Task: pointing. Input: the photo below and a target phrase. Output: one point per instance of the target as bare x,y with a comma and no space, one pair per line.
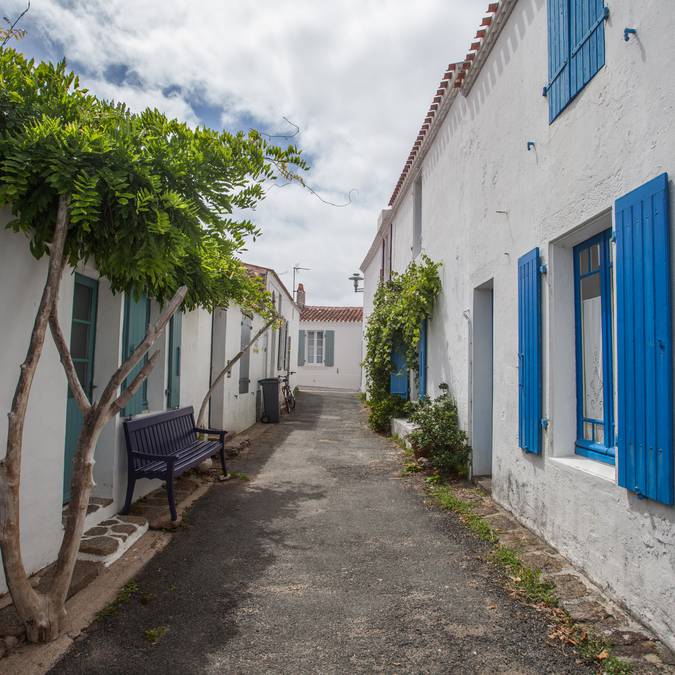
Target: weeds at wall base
526,582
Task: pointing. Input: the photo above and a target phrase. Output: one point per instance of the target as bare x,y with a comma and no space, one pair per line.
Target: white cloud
357,76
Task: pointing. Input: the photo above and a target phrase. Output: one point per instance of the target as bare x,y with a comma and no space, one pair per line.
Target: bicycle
286,390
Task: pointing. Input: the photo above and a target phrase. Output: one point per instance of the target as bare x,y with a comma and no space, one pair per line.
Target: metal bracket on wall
543,268
627,32
544,423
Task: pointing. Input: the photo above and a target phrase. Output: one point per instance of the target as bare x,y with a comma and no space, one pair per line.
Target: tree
150,202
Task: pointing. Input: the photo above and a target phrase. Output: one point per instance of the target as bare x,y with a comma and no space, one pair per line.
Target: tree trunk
95,419
33,609
201,420
43,614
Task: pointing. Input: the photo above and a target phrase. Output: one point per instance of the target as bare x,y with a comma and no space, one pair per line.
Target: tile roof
260,271
457,77
314,313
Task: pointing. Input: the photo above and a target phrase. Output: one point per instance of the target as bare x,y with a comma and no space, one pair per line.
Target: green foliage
438,436
153,635
399,308
383,409
152,201
445,497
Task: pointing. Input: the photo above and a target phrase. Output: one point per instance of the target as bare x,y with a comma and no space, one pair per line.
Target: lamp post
356,278
297,267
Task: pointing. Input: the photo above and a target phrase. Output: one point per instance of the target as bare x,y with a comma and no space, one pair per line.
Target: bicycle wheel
286,400
292,401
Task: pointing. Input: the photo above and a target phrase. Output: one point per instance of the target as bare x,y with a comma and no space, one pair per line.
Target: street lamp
356,278
297,267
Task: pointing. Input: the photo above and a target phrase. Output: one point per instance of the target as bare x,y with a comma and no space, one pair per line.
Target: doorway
82,345
482,380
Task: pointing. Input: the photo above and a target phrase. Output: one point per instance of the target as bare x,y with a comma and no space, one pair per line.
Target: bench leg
169,494
131,482
222,460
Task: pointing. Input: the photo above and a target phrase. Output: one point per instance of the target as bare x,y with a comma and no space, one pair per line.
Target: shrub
438,436
383,409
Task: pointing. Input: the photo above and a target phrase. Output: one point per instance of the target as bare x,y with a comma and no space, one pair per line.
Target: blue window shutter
329,348
301,348
529,352
423,360
398,380
558,87
175,338
587,41
644,342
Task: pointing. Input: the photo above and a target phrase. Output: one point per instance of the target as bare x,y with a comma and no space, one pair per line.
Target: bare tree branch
76,389
201,419
110,392
121,402
11,31
293,124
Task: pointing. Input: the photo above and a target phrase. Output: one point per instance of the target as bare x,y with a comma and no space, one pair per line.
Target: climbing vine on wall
400,306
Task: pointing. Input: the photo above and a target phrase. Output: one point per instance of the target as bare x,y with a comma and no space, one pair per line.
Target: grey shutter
328,347
301,348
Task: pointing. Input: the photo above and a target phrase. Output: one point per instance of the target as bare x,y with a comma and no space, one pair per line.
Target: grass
526,582
153,635
125,594
237,475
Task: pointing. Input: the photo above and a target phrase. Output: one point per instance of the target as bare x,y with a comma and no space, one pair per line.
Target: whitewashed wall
487,200
346,370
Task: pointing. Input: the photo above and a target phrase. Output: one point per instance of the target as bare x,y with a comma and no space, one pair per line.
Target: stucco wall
488,200
346,370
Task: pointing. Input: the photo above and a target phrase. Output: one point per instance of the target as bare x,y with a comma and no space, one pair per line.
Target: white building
102,329
330,340
550,215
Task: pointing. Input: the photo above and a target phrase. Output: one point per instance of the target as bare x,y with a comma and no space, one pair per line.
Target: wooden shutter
558,87
136,320
398,380
328,348
587,41
644,342
301,348
175,338
529,352
423,360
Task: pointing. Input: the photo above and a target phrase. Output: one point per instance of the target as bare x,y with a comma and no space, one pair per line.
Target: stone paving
324,561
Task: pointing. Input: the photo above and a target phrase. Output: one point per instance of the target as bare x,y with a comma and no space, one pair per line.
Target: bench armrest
216,432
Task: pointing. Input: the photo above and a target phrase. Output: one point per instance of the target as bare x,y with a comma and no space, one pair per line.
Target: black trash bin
270,387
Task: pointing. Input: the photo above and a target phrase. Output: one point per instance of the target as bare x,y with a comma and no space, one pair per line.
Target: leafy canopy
152,201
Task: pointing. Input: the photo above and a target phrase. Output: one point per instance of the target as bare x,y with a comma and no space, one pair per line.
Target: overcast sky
356,76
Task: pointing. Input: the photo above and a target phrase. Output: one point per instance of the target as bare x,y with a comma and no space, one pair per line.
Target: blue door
175,334
82,344
136,320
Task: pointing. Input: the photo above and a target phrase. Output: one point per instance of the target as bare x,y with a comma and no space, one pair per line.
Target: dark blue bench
166,445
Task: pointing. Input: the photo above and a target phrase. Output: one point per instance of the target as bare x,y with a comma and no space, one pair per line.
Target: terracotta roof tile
314,313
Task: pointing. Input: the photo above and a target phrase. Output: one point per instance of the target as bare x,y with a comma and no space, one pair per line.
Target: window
576,49
593,284
283,334
417,217
245,360
315,347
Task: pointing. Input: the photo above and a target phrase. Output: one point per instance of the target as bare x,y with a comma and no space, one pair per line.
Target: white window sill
590,466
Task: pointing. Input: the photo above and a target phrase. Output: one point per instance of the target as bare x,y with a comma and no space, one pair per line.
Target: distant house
329,345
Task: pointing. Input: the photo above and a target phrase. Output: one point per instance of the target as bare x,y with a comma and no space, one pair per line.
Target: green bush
438,436
383,409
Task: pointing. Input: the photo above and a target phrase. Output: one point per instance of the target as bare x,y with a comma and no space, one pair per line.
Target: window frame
606,451
314,362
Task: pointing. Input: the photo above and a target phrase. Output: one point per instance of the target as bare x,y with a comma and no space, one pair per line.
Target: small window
315,347
417,217
594,345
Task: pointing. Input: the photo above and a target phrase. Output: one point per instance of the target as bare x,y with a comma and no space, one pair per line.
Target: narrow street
326,561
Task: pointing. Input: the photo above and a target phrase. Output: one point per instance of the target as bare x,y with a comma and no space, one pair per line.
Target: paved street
325,562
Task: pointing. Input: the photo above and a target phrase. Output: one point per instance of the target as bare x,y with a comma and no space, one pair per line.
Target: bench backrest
162,434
